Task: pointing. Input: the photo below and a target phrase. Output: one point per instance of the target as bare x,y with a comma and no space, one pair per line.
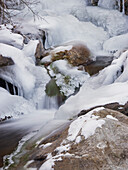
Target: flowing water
11,131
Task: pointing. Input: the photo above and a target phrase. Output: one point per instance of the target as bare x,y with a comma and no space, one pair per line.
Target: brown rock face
40,51
78,55
5,61
106,148
114,106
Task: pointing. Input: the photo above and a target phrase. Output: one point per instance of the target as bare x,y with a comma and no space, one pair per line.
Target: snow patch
111,117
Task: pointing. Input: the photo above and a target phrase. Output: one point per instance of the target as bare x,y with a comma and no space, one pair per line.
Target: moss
67,79
52,89
55,69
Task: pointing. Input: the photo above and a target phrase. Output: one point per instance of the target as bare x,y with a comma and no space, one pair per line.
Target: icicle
7,87
123,6
119,4
21,92
18,91
14,90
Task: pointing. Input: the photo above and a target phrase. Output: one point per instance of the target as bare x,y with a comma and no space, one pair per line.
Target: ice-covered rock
114,22
110,4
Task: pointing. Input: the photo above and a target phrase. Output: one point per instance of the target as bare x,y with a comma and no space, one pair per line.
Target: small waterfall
48,103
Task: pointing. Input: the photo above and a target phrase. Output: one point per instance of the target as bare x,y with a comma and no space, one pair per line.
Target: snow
62,48
116,43
85,126
48,164
7,37
45,145
46,59
30,49
111,20
13,105
63,148
111,117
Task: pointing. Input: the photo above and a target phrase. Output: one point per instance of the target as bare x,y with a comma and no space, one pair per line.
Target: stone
40,51
106,148
100,63
78,55
5,61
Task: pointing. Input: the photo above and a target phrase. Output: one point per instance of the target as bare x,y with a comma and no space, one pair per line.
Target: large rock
76,54
97,140
5,61
100,63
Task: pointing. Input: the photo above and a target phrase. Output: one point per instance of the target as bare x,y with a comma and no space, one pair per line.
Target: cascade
48,103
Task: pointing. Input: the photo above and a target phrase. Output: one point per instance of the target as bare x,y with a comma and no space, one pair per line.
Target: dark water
9,137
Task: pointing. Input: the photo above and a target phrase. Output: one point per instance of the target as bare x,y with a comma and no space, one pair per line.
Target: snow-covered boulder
117,43
76,53
13,39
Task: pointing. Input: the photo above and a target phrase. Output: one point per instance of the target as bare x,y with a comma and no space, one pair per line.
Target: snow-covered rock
68,78
97,139
13,39
109,86
116,43
13,106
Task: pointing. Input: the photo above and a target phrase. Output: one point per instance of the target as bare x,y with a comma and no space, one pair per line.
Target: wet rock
5,61
100,63
40,51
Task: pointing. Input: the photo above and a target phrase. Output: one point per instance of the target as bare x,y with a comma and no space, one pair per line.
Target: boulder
5,61
97,140
40,51
77,55
100,63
